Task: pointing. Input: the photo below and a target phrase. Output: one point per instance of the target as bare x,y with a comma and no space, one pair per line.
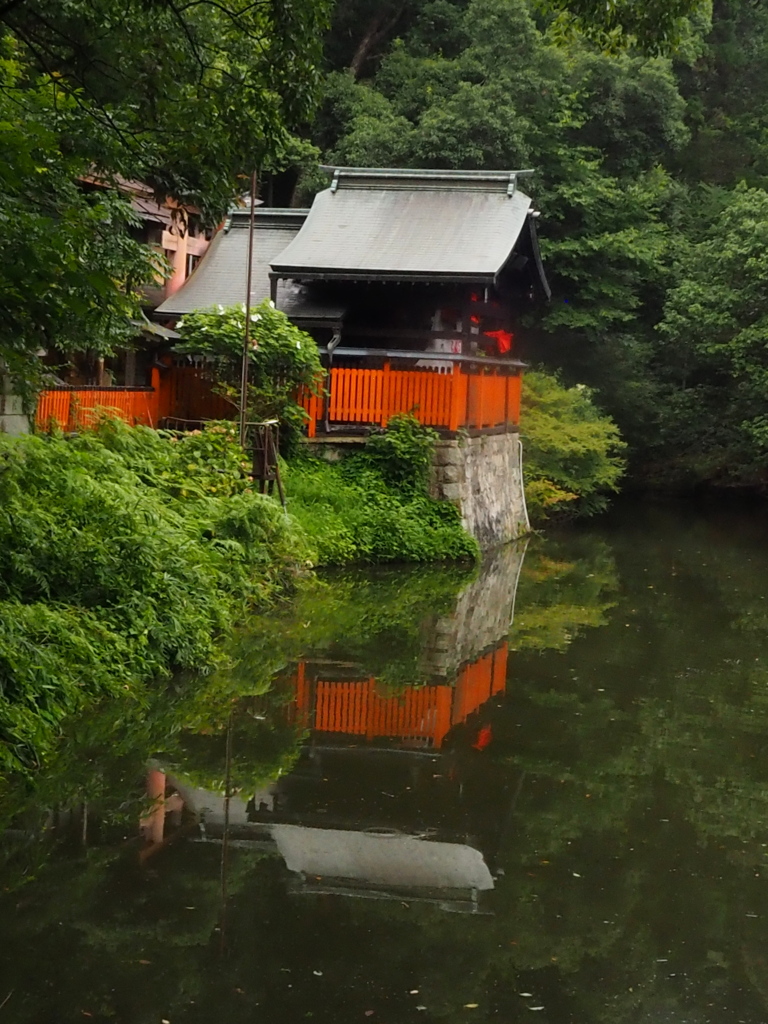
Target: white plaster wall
12,417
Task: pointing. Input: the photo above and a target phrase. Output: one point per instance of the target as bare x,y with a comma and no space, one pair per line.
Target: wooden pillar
454,421
178,262
386,386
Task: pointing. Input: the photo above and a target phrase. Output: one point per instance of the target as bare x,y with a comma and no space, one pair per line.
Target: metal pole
225,838
247,332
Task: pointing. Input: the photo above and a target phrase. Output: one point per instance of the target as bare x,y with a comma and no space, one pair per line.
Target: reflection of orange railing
483,398
419,717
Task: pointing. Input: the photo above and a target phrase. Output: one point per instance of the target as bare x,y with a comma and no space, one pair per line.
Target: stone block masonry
483,476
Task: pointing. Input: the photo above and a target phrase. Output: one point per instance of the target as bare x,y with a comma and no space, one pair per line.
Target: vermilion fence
485,398
76,408
417,717
178,393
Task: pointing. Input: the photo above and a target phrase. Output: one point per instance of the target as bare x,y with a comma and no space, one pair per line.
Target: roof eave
394,277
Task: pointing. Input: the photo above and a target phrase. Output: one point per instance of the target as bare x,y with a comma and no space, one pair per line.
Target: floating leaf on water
576,875
471,1006
525,995
535,1007
318,974
413,992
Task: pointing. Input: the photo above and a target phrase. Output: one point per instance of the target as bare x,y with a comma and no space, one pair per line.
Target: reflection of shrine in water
394,790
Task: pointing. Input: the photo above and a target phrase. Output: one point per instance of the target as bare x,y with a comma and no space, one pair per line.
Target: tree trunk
377,30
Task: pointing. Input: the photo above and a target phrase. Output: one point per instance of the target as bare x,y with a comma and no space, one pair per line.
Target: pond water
535,792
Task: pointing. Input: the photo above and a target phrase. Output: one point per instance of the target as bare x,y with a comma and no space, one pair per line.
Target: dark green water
535,794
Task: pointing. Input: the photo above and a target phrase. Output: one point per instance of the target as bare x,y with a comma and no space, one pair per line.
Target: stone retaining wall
482,476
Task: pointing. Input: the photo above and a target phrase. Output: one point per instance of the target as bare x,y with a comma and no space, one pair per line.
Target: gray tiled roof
220,277
409,225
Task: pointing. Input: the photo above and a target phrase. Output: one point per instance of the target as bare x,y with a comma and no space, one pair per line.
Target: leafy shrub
402,453
354,511
284,360
573,452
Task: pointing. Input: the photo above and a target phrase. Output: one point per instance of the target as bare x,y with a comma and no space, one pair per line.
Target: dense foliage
123,554
373,506
638,161
573,453
187,98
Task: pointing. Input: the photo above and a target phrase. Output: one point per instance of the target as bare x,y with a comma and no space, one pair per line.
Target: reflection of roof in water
345,861
381,859
416,717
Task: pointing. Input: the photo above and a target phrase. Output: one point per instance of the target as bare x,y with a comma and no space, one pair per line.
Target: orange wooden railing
420,717
178,393
484,398
77,408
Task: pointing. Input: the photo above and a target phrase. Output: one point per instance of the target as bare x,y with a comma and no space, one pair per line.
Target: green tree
715,325
573,453
187,98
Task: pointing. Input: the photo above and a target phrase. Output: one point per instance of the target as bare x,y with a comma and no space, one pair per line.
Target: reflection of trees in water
634,850
565,588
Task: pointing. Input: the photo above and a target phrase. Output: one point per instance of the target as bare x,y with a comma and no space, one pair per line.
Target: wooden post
275,444
385,393
456,403
247,332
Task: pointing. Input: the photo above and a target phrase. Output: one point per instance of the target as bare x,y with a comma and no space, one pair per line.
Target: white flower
180,323
221,308
242,306
271,304
298,344
255,317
